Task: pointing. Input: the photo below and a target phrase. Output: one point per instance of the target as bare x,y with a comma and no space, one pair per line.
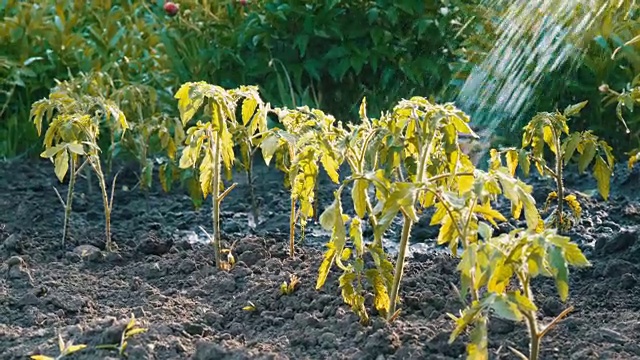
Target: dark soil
193,311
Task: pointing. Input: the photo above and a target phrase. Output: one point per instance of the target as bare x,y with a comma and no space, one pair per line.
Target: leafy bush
332,53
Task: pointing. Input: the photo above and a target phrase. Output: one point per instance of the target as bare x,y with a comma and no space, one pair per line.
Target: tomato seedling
210,144
65,348
547,129
307,140
73,133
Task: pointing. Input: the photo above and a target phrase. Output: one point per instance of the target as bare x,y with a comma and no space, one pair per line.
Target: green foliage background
327,54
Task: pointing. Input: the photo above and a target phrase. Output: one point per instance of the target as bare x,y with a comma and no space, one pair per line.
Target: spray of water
534,37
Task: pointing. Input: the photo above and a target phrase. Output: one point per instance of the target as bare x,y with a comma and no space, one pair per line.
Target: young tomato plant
65,348
73,133
547,129
494,263
308,138
418,146
209,144
128,332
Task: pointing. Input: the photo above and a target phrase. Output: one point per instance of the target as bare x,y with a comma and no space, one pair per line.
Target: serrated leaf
574,256
206,174
355,232
331,166
570,146
587,155
506,309
512,161
602,173
249,106
575,109
484,230
323,270
523,159
359,196
76,148
477,348
489,214
381,299
560,272
269,146
61,164
50,152
523,302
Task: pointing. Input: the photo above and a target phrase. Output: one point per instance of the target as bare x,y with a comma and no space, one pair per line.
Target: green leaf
269,146
331,166
206,174
359,195
477,348
523,302
76,148
523,159
560,271
134,332
249,106
485,230
329,216
588,153
602,173
50,152
506,309
381,299
575,109
355,232
512,161
570,146
74,348
574,256
61,164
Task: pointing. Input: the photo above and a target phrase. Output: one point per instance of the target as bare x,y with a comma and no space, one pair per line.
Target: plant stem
532,324
292,228
95,163
406,231
67,207
252,194
215,196
397,276
559,181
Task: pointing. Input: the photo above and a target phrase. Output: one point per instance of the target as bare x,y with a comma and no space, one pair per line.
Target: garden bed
166,276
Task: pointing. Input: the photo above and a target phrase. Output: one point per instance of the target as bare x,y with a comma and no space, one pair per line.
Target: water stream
534,38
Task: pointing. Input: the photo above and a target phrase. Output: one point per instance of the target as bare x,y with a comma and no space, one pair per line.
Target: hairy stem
214,145
530,319
67,205
105,201
252,192
292,228
406,231
397,276
559,181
